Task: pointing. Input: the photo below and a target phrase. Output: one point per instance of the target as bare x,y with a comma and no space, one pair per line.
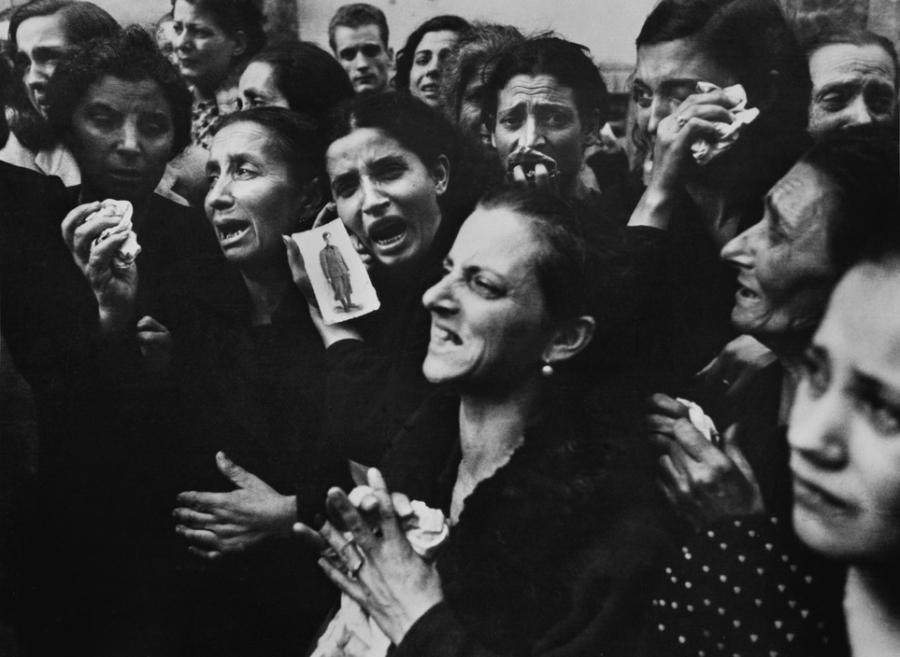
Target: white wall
607,27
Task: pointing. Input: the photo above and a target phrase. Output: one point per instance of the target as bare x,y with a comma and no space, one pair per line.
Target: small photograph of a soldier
337,273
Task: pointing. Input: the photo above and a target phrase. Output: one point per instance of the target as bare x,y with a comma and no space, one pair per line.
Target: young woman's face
41,41
429,61
252,199
204,50
386,195
121,136
845,425
489,324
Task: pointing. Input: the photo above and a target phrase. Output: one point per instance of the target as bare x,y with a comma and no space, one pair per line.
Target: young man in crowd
358,36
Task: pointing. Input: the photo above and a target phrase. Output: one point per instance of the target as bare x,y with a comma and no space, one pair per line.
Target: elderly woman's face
386,195
204,50
252,200
122,136
784,273
489,322
845,425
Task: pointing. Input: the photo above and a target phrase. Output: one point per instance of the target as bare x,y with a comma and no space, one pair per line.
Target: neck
491,428
267,287
872,609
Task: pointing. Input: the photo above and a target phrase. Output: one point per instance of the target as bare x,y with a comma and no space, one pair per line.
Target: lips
387,233
818,499
230,231
444,337
528,159
431,89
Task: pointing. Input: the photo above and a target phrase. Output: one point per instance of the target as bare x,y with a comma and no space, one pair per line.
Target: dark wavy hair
568,62
357,15
295,138
233,16
477,52
406,55
82,21
863,162
309,78
131,55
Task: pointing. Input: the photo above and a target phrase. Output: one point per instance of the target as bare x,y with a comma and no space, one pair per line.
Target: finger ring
353,558
681,120
726,382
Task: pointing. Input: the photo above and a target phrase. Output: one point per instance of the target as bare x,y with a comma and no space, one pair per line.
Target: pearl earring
547,369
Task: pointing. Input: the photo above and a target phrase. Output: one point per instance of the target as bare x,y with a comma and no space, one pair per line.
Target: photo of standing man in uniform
336,271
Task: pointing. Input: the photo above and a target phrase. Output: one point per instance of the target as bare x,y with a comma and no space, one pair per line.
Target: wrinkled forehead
805,197
535,89
846,61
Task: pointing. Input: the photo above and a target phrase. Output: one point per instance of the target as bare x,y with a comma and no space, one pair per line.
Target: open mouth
430,89
442,337
231,230
530,164
387,233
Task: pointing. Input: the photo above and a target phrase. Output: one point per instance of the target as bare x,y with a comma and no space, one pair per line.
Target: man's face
538,125
852,85
41,42
365,58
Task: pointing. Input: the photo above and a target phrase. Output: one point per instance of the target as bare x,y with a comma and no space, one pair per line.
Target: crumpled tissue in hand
352,632
130,249
702,150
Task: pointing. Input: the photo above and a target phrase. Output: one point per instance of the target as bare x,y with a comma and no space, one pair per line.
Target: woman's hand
377,568
673,163
735,366
704,483
216,524
115,288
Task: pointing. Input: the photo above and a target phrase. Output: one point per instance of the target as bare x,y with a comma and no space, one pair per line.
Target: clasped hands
377,567
704,483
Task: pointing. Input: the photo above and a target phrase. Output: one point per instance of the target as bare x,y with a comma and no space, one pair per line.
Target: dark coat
254,392
556,553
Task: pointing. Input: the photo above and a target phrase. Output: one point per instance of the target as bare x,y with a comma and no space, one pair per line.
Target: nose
129,137
374,203
181,40
36,75
219,195
659,109
440,299
433,69
857,112
360,62
532,135
820,426
740,251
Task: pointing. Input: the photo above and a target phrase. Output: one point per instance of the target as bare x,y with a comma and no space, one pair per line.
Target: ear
570,339
311,200
240,44
440,173
590,131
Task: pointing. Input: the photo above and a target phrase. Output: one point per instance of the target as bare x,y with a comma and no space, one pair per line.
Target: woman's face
204,50
121,136
253,199
41,41
489,324
258,88
845,425
784,273
429,61
386,195
667,73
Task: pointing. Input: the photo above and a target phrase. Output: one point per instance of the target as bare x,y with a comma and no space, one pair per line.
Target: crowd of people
629,395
